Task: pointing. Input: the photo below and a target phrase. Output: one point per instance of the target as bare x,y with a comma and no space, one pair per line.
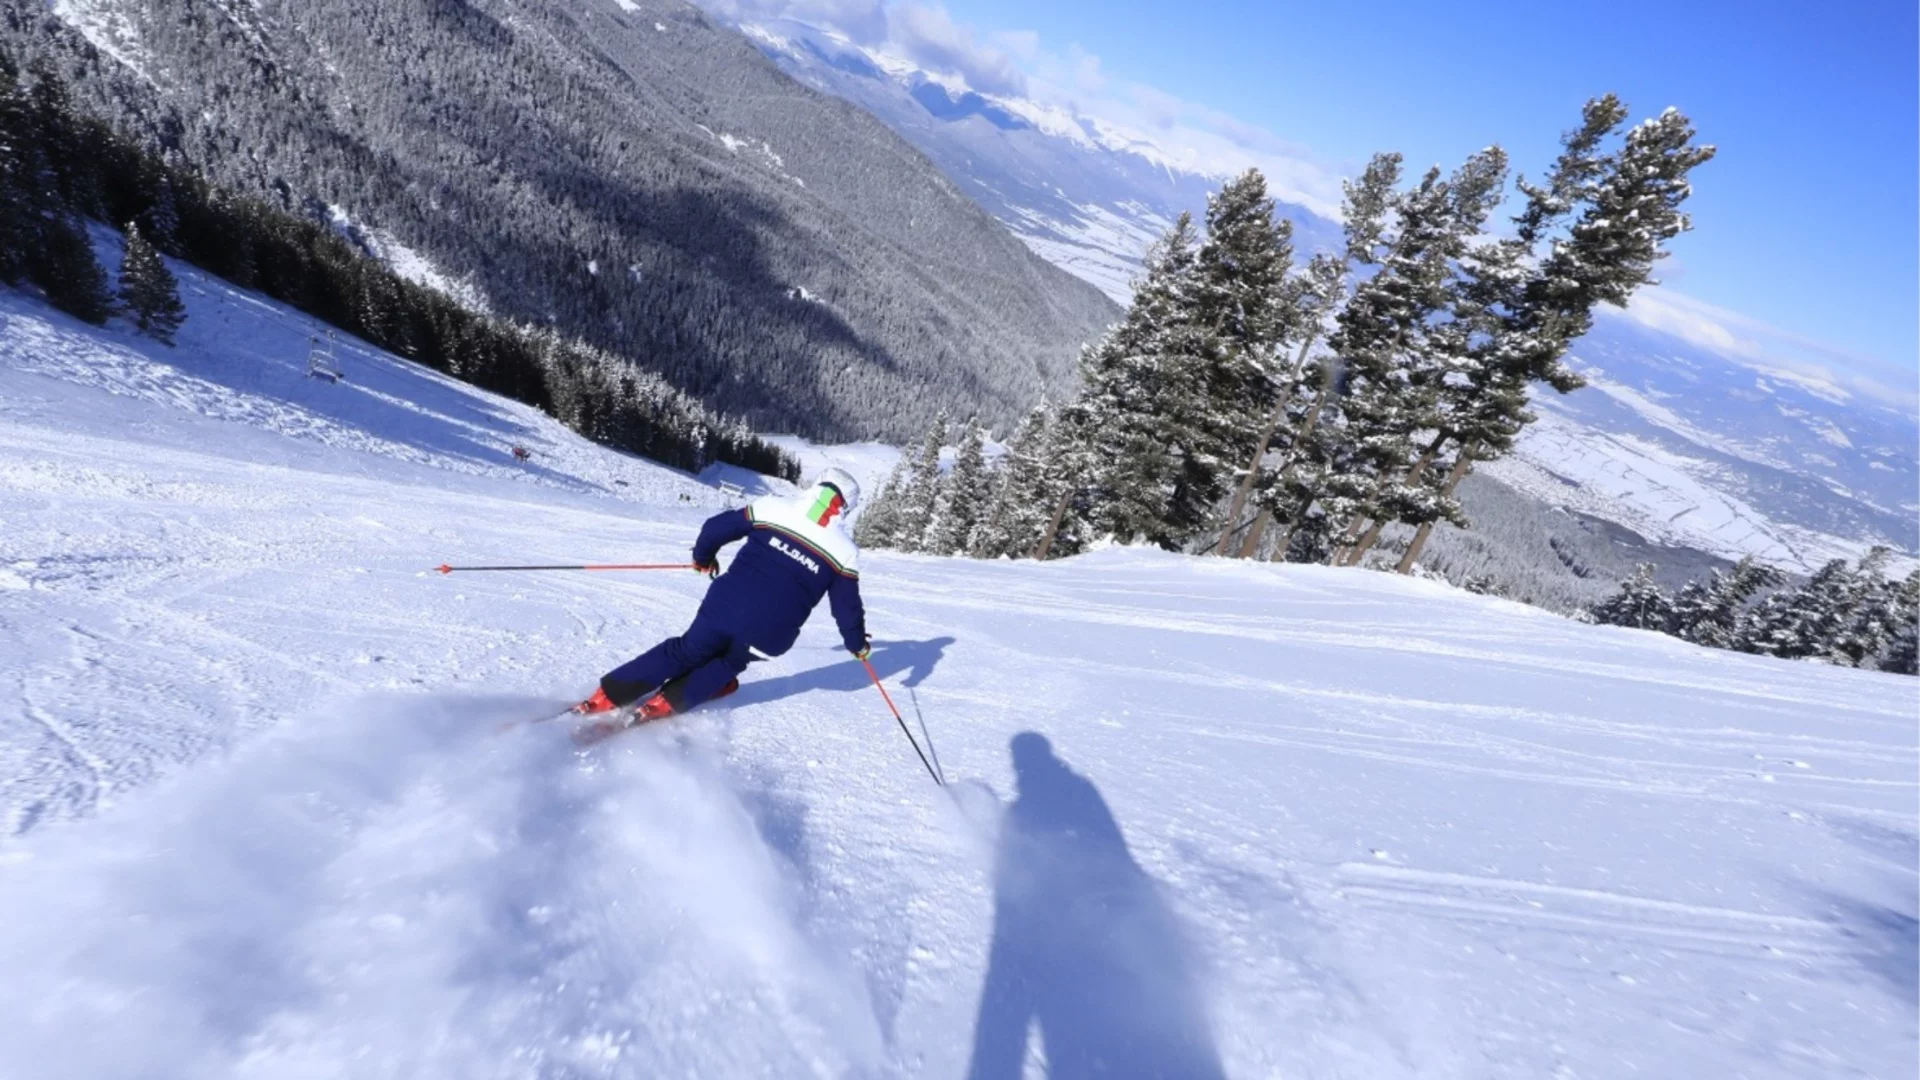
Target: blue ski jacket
792,558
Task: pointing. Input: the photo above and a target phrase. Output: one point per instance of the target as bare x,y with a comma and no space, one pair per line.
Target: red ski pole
445,569
901,720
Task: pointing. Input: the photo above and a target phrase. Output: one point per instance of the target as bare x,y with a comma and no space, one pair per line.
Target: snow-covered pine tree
1243,313
920,497
963,500
1065,481
1902,656
1639,604
1710,612
1613,247
1020,497
1381,338
1437,372
1513,341
1291,490
1799,622
1873,619
1142,397
878,525
1313,294
148,288
1527,310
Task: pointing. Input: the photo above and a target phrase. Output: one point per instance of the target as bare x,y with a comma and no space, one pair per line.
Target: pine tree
63,264
1800,622
1639,604
1313,295
920,496
148,288
1380,337
963,502
1872,620
1066,482
1903,655
1709,612
20,198
160,219
1020,496
66,148
1434,383
879,522
1142,400
1243,313
1904,607
1293,488
1523,312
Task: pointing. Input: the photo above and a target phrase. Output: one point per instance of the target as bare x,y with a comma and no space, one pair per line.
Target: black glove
864,651
711,569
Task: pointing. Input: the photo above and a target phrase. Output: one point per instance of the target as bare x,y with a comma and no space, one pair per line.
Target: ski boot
671,701
668,702
595,705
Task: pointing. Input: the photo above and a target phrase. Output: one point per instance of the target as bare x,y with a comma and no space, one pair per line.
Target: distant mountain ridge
624,170
1678,442
1084,194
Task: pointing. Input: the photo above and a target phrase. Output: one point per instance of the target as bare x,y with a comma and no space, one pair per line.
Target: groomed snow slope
1293,821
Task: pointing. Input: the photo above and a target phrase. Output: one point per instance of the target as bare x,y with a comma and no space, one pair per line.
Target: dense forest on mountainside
628,174
59,170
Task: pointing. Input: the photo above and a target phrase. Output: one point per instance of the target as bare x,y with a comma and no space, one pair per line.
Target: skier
796,552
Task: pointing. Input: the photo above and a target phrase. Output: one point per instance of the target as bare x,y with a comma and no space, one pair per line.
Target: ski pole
904,730
445,569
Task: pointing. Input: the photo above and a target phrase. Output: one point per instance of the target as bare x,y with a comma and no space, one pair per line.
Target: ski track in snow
259,819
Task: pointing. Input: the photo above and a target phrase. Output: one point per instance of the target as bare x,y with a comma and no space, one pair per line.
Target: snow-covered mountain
1687,446
1083,193
1204,818
1681,443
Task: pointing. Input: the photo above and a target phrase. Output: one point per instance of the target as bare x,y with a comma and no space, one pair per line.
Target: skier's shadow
1084,946
846,675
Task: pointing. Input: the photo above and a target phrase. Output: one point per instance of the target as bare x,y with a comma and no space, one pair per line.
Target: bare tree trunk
1266,439
1405,566
1366,542
1045,545
1459,473
1240,493
1259,529
1419,468
1413,475
1282,542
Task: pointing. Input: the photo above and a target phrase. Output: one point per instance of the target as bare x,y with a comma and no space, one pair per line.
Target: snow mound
377,878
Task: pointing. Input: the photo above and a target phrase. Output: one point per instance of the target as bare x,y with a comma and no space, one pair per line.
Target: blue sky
1806,222
1806,219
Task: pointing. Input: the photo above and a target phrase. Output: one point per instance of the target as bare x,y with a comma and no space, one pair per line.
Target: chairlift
321,363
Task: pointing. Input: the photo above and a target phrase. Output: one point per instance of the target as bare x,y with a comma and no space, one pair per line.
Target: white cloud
864,21
1016,63
931,38
1766,348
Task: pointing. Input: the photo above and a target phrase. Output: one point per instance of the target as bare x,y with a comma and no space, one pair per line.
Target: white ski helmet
843,482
